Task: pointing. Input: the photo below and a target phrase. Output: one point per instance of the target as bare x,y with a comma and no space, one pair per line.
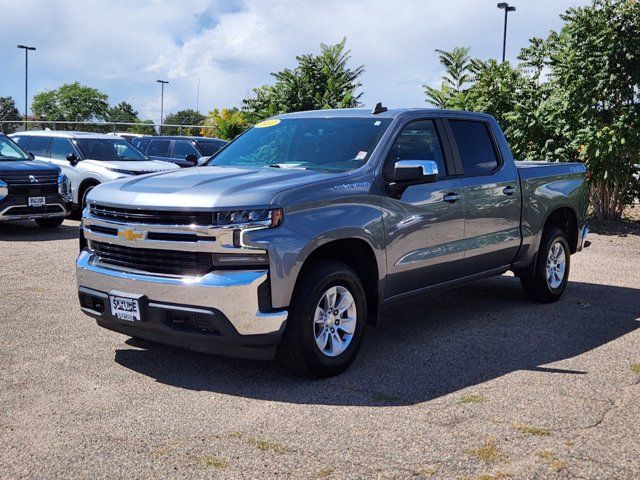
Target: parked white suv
88,159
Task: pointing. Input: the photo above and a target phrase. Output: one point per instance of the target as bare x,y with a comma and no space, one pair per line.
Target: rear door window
39,146
159,148
182,148
476,149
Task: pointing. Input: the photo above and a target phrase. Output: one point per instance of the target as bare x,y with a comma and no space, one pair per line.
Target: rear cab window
475,146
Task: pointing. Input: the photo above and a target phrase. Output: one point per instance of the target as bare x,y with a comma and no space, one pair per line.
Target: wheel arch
84,185
357,254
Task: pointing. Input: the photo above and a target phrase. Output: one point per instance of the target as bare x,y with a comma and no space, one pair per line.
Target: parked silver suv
88,159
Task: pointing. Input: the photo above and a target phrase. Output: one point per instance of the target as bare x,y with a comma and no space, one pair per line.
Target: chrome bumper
234,293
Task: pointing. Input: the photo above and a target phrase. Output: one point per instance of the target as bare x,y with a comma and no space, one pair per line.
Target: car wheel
326,320
50,222
551,272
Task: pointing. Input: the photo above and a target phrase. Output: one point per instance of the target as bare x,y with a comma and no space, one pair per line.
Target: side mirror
31,155
192,159
72,159
415,171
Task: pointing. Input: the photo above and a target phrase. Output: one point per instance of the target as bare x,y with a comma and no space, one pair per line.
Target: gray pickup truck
295,235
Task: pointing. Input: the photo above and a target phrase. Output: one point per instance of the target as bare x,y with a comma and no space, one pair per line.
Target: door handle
451,197
509,190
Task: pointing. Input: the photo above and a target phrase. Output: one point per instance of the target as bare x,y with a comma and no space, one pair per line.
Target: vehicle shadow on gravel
423,350
29,231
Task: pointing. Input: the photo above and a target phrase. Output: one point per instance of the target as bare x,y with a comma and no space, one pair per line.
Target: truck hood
134,165
27,166
205,188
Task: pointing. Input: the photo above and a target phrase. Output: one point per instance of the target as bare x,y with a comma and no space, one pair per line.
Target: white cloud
123,46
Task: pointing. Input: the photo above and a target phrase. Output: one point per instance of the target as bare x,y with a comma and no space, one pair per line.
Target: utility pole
507,8
198,98
162,84
26,80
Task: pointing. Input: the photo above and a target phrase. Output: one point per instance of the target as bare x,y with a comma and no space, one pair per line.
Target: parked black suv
30,189
181,150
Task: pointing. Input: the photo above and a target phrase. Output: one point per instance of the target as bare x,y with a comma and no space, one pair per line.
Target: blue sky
122,46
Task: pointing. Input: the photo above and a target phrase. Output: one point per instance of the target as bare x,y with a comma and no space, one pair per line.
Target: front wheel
551,272
326,320
50,222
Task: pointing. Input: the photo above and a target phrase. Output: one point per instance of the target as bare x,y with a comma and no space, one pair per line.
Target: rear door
424,223
492,191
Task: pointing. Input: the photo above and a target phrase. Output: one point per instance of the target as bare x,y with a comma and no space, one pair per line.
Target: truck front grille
150,217
33,179
33,189
168,262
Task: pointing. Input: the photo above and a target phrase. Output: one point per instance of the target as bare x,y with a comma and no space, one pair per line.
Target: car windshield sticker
268,123
361,155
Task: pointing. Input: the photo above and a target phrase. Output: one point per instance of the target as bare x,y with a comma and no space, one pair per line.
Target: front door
424,223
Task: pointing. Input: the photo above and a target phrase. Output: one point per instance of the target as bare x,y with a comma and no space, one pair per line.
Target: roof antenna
379,109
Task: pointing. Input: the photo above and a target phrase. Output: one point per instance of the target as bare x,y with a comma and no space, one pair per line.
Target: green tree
575,96
317,82
71,102
8,112
458,68
122,112
595,65
226,123
145,127
183,117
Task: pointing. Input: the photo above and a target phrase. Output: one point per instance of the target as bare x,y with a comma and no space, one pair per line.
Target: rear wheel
551,272
50,222
326,320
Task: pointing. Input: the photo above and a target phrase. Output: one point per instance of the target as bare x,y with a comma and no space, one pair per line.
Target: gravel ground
472,383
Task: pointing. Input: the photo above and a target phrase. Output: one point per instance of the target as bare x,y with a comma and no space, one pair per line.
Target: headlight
4,189
265,218
64,187
124,172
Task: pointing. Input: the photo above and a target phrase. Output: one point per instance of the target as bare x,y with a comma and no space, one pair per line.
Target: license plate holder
126,306
36,201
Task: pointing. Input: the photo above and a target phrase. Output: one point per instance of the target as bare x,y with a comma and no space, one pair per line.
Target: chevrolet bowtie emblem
129,235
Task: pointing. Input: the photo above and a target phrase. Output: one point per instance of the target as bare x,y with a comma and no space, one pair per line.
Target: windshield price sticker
268,123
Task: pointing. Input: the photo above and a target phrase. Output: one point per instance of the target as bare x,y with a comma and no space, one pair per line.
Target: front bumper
216,313
16,208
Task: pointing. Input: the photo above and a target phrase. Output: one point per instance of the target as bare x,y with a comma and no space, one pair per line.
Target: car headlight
64,187
4,189
242,219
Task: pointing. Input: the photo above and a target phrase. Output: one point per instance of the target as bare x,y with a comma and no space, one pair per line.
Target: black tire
50,222
537,287
298,349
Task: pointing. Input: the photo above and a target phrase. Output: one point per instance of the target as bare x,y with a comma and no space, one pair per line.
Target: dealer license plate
37,201
125,308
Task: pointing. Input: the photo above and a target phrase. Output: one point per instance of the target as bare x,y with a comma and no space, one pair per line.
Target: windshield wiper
289,166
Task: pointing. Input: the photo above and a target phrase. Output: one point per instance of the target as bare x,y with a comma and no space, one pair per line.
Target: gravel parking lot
473,383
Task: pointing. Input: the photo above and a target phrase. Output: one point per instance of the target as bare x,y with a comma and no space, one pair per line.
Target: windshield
115,149
11,151
208,148
328,144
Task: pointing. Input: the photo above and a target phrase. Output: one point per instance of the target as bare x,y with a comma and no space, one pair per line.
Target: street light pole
162,83
26,80
507,8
